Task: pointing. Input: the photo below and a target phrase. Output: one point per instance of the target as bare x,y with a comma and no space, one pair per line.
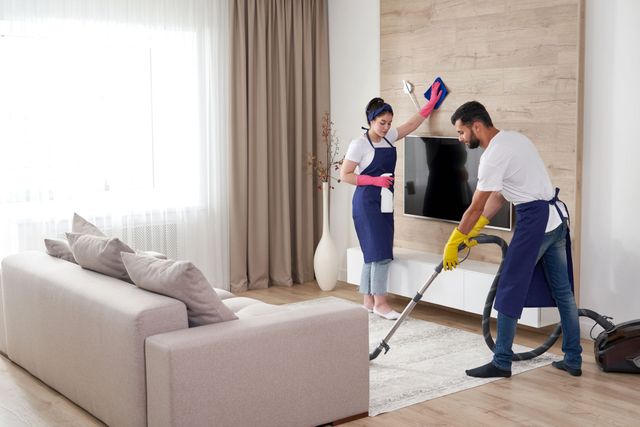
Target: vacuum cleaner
616,348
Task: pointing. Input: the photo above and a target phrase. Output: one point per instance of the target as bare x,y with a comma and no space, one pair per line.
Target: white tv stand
464,288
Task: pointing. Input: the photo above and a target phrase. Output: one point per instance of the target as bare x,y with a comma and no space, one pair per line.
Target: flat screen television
440,176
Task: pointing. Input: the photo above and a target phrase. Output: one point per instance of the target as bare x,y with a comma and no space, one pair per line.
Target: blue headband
381,109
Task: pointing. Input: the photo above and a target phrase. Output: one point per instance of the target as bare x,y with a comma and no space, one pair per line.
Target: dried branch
324,169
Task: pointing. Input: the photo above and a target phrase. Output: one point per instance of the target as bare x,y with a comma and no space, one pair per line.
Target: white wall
610,264
354,52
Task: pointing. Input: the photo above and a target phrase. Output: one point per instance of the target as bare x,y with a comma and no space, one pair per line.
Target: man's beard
474,142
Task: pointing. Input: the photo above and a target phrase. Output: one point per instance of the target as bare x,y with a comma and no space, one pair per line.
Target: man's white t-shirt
361,152
511,165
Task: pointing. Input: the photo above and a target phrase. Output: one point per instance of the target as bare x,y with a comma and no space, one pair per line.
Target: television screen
440,176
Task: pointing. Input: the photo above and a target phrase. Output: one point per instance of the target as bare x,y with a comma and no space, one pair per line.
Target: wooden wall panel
521,59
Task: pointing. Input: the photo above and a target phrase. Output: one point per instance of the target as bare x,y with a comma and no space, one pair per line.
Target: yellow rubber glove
450,256
475,231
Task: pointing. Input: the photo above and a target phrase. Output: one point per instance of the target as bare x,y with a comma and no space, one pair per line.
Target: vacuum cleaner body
618,349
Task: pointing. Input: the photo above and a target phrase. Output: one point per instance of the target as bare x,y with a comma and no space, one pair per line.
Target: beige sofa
3,338
127,356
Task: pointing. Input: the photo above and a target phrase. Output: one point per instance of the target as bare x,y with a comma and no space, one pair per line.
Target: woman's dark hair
470,112
375,107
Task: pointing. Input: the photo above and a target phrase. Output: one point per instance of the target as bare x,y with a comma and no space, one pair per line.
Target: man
537,270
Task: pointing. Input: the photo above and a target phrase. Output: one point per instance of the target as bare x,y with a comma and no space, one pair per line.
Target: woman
374,155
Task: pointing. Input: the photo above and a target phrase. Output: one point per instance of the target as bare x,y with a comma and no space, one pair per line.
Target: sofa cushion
59,248
245,307
261,309
236,304
223,294
180,280
101,254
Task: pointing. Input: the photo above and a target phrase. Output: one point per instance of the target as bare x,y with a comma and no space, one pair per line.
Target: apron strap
554,201
369,139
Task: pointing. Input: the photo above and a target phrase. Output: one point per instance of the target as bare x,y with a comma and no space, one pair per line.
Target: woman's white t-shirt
511,165
361,152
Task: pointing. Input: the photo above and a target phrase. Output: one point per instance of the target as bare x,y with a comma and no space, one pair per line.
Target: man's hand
475,231
450,255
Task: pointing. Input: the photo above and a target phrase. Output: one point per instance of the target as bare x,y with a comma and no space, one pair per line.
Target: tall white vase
325,260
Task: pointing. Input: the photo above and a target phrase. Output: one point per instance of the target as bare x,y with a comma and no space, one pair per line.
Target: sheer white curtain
117,111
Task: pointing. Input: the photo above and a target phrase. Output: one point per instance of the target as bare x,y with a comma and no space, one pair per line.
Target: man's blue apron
374,228
522,281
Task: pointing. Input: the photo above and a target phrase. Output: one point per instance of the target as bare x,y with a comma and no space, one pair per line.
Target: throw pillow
101,254
180,280
60,249
82,226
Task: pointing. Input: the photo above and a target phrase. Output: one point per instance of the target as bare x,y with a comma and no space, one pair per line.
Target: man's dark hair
470,112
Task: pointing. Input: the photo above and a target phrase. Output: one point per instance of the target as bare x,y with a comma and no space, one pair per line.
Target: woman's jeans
373,280
554,261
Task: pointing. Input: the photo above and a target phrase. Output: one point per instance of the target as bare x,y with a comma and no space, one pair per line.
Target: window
115,118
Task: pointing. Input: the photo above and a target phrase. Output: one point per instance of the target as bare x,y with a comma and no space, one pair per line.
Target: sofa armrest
3,334
306,365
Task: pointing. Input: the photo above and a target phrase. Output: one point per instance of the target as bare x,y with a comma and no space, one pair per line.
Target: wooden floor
541,397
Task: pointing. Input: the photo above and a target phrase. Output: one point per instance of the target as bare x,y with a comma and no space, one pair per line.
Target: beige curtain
280,89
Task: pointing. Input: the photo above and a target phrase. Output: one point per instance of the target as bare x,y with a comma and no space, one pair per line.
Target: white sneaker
392,315
370,310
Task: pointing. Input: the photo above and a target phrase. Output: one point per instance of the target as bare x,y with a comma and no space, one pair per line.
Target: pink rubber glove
435,96
378,181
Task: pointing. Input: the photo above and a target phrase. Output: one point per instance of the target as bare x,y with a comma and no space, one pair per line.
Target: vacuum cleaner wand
384,344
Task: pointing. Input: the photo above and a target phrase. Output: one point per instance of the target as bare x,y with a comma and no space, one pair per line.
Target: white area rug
426,361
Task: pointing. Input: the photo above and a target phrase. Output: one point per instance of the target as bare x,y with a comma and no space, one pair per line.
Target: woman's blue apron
374,228
522,281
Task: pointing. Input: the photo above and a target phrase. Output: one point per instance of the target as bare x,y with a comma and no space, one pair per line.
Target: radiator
161,238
